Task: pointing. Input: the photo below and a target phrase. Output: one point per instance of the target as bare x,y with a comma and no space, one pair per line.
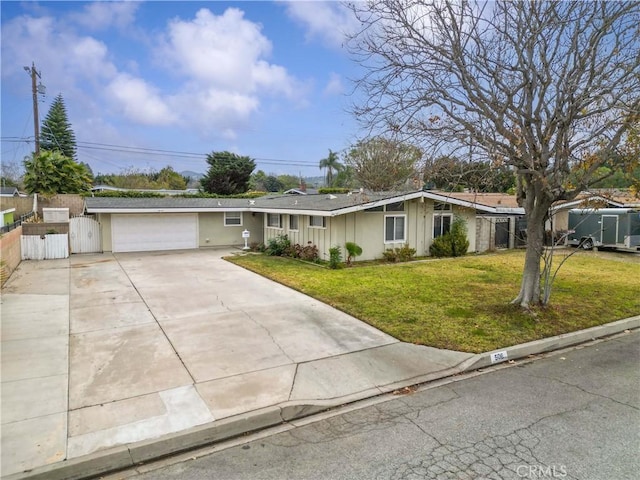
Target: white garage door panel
146,232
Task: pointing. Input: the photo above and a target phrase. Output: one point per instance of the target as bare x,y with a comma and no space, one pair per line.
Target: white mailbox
245,235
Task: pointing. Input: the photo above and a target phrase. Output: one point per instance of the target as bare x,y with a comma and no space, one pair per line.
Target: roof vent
252,202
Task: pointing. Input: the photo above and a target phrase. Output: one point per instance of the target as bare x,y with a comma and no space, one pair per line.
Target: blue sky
270,80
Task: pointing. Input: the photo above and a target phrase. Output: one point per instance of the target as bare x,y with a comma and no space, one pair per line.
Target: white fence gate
84,235
45,247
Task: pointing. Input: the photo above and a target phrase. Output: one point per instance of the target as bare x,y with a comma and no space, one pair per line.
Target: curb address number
499,356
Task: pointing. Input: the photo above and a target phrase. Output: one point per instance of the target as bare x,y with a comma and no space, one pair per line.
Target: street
573,414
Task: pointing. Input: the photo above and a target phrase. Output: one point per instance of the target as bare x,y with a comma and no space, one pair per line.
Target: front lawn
463,303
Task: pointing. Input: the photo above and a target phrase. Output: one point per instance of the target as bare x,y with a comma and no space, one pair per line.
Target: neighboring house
595,198
6,216
373,221
9,192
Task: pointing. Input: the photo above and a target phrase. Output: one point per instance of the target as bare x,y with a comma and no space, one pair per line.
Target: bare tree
381,164
549,88
11,173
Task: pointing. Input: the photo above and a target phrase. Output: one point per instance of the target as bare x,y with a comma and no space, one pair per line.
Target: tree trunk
530,286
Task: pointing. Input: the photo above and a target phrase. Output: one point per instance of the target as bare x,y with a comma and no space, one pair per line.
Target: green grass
463,303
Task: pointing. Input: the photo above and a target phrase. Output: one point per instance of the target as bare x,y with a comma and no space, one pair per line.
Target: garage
151,232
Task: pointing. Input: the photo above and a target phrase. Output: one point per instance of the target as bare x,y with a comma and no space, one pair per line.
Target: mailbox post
245,235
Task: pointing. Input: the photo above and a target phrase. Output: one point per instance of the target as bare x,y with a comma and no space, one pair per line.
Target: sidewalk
103,367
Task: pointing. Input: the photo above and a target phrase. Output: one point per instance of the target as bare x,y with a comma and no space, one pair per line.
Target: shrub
402,254
353,250
441,246
309,252
406,253
278,246
335,257
390,255
453,243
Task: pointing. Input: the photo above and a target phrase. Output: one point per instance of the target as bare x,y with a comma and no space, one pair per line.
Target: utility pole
35,89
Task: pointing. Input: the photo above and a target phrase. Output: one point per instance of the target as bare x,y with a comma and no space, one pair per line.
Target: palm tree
332,164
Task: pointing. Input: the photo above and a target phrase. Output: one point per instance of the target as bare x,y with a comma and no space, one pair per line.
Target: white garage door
150,232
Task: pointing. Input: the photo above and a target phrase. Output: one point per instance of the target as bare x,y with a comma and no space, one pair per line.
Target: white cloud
224,59
103,15
67,60
330,22
334,85
220,64
213,112
139,101
227,52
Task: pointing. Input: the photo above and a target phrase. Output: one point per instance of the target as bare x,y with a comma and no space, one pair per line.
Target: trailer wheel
587,244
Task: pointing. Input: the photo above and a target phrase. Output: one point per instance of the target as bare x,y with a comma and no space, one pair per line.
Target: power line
164,153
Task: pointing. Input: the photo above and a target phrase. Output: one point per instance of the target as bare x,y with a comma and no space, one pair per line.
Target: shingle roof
319,203
323,204
487,199
601,197
623,196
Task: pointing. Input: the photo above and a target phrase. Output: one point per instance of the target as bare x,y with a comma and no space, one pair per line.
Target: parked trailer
617,228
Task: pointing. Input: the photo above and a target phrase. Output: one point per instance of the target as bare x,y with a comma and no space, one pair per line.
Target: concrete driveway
105,350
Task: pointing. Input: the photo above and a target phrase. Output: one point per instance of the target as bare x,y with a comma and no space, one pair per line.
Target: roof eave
166,210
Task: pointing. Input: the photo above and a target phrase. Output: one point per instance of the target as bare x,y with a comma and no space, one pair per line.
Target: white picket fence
44,247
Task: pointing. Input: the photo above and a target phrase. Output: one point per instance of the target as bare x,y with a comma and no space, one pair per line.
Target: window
274,220
379,208
293,222
395,207
441,224
390,207
438,206
317,221
232,219
394,229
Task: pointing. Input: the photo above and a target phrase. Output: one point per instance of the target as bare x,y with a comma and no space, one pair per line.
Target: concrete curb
127,456
483,360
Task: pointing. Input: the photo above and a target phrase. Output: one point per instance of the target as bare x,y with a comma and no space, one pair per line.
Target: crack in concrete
270,336
222,303
293,382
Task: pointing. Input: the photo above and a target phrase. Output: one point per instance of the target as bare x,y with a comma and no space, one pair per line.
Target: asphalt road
571,415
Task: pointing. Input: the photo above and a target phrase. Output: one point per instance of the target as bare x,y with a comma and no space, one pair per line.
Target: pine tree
56,133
